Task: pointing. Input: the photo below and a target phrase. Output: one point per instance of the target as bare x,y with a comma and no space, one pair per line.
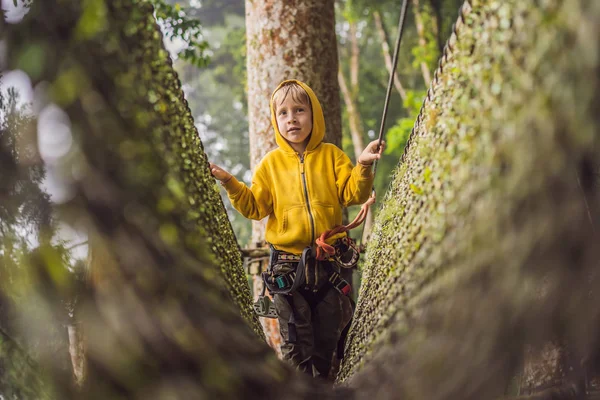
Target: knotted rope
325,250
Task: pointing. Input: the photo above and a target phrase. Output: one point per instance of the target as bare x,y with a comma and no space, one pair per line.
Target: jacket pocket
325,217
293,219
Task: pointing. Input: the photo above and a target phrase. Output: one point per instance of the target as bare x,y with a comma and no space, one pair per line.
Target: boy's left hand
370,153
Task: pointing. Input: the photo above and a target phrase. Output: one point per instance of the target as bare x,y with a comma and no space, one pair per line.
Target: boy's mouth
293,129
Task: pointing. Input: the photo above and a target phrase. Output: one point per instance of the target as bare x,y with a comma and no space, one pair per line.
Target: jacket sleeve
254,202
354,184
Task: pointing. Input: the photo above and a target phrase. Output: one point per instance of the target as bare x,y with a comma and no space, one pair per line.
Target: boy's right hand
220,173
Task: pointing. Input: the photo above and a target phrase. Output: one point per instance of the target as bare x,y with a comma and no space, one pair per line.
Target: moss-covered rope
138,81
485,209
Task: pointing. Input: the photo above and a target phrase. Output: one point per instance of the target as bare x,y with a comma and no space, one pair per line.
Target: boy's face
294,121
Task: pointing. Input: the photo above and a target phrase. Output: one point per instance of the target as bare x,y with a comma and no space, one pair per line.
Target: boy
302,186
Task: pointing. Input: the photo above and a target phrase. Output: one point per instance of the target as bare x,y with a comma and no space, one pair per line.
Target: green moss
485,143
92,21
416,190
137,128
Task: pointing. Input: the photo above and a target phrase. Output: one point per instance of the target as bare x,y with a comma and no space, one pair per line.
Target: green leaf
416,189
427,175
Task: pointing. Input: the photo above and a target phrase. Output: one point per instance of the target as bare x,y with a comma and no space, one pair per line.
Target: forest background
216,91
207,41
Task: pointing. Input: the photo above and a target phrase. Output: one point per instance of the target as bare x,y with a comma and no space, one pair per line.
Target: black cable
389,88
392,73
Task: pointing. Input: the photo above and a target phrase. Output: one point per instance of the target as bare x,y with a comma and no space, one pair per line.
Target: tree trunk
356,131
422,41
436,8
77,351
368,227
354,59
381,32
484,246
289,40
350,96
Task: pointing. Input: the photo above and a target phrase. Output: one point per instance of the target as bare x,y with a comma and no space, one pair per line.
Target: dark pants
318,326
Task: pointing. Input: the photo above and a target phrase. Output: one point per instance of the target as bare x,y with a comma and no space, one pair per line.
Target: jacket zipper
310,216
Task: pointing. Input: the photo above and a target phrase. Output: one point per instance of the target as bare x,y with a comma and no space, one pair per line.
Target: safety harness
288,272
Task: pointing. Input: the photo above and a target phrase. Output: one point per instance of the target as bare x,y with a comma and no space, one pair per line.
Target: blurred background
207,41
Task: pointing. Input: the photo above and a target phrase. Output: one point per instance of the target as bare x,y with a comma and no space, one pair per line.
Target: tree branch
385,47
353,115
354,56
422,42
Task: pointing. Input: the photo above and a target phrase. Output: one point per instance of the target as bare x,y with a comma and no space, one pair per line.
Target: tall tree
22,202
350,89
387,55
423,43
436,7
349,80
289,39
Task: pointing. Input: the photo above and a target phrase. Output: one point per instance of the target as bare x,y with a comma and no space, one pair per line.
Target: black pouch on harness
284,275
279,279
286,271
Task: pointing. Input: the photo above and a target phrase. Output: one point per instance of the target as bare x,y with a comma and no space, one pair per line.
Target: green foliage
92,20
24,204
350,10
216,95
429,53
213,13
26,227
398,135
176,23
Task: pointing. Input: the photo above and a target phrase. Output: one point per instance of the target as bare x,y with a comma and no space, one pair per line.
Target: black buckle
340,284
264,307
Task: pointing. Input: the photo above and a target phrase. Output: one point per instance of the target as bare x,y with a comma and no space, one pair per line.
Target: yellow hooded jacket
302,194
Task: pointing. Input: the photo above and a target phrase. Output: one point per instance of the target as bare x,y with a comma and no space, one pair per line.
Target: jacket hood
318,130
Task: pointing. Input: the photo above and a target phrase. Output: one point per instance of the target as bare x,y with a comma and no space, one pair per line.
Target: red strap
324,249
